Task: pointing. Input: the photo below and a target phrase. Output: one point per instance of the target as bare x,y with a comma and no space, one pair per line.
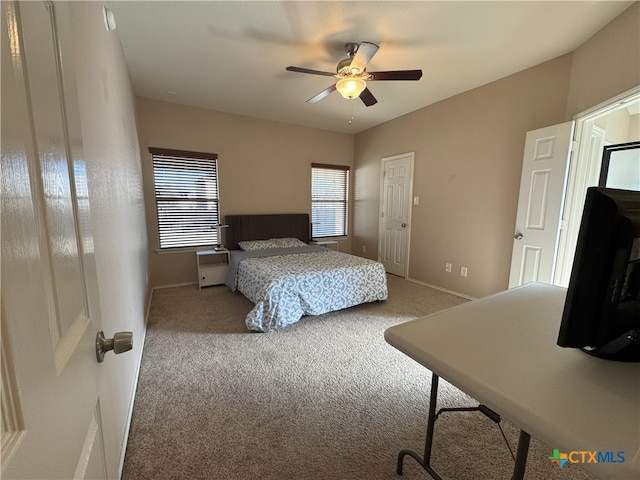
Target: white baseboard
171,285
457,294
125,439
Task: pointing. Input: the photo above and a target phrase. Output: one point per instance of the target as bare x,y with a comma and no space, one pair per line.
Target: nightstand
212,266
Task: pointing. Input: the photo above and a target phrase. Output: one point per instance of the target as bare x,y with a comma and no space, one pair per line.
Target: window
186,188
329,200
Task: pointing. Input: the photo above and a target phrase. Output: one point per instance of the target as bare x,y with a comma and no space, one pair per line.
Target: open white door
52,425
542,191
395,212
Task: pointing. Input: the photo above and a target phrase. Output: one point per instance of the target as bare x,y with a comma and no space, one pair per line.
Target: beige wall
619,126
107,111
468,155
634,127
607,64
264,167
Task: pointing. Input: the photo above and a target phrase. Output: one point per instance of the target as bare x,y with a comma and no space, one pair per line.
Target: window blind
186,189
329,200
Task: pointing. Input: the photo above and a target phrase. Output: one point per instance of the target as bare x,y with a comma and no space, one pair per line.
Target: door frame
582,165
407,246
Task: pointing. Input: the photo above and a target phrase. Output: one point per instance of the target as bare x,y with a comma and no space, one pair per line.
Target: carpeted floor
325,398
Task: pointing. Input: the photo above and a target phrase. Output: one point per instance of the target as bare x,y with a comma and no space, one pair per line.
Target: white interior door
52,426
542,190
395,212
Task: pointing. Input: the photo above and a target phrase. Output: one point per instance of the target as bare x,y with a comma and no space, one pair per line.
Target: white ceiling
231,56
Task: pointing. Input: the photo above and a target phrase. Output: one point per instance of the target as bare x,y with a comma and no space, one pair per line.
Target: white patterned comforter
284,287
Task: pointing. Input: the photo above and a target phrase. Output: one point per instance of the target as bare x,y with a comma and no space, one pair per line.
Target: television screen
602,309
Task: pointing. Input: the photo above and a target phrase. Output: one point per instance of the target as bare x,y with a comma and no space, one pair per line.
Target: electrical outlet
447,267
463,271
364,249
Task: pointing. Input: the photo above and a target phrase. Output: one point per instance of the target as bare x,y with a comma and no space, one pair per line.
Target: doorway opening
615,121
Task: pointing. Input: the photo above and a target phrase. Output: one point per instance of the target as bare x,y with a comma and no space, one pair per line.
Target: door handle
121,342
518,236
404,225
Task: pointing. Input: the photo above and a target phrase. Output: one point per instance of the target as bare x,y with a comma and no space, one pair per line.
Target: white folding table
502,351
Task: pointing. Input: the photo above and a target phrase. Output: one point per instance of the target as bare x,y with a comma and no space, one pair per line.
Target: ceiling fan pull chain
351,108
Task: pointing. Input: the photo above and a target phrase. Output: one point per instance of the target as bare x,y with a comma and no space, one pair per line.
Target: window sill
170,251
329,239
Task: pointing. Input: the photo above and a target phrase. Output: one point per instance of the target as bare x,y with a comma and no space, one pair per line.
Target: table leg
425,460
521,456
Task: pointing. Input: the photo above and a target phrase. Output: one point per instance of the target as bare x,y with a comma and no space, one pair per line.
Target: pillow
252,245
288,242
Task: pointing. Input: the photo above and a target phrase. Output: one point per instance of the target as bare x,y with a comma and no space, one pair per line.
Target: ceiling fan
352,74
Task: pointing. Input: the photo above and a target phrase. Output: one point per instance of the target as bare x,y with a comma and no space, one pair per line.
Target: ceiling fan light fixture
351,87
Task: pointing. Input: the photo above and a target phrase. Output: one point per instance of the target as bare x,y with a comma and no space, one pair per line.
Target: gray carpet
325,398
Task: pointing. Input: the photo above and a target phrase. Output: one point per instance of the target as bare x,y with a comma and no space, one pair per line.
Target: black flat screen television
602,309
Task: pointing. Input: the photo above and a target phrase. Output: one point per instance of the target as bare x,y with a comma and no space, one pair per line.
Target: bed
274,266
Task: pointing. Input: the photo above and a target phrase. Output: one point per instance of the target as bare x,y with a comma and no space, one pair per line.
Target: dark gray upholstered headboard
263,227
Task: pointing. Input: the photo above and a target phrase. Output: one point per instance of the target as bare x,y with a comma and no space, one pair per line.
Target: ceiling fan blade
367,97
396,75
322,94
364,54
308,70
